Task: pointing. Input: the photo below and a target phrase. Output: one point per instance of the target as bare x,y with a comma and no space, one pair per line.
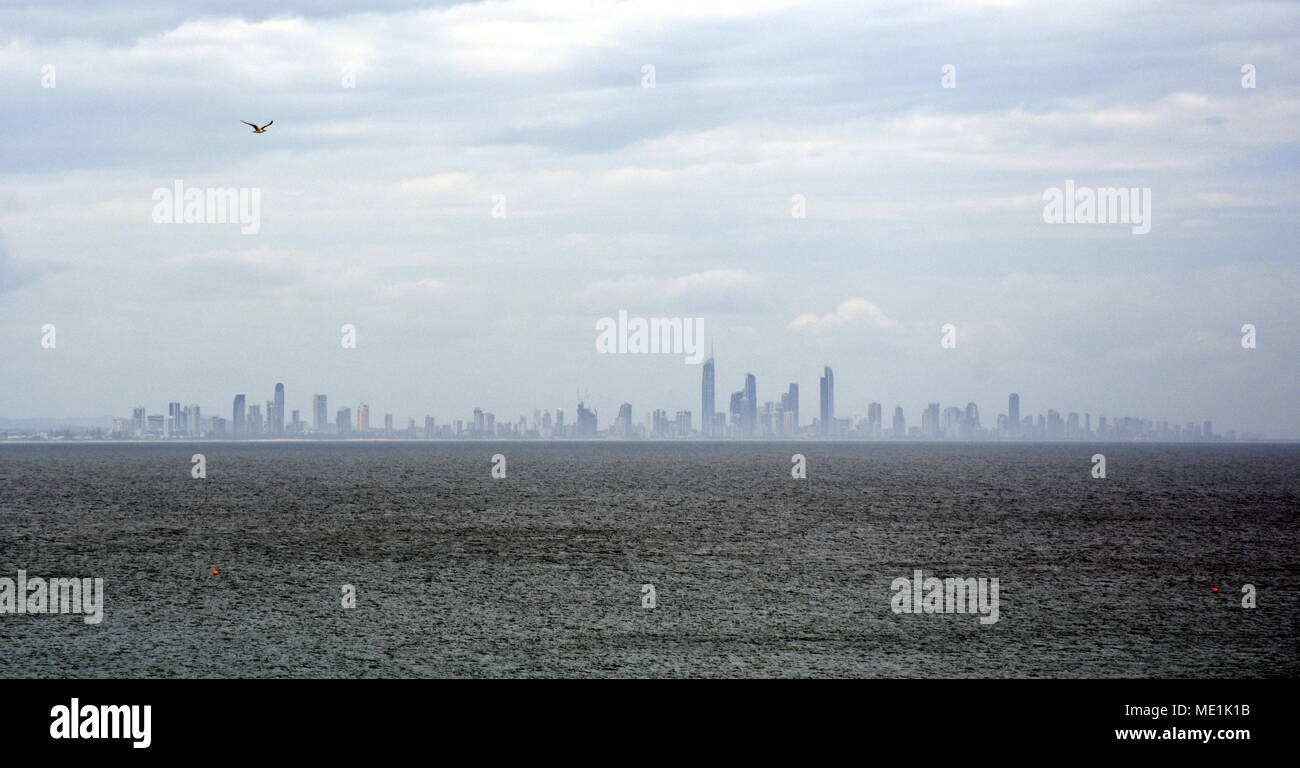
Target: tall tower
751,405
828,401
237,415
277,418
320,416
707,399
1013,413
792,404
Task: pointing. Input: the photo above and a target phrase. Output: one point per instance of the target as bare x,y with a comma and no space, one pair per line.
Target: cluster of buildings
744,417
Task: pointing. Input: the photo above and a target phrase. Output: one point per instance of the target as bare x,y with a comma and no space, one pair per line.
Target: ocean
543,573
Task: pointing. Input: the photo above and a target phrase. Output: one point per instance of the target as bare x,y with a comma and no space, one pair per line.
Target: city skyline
744,419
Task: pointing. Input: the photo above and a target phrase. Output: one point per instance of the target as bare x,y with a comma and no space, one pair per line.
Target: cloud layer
921,205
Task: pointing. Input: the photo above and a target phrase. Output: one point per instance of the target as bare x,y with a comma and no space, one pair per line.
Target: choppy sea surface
755,573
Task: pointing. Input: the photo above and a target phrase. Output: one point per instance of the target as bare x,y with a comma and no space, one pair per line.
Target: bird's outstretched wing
245,122
268,125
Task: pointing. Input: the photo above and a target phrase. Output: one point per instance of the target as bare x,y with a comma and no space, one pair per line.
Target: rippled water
756,574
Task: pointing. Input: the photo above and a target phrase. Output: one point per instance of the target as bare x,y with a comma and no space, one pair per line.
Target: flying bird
255,128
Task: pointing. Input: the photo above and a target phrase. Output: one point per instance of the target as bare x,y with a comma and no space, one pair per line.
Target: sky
399,132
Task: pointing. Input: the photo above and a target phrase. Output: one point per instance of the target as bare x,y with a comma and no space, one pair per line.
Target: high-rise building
971,425
623,427
790,405
343,422
363,418
900,424
707,399
827,423
388,425
875,421
1013,413
736,413
175,420
320,416
238,427
930,421
951,422
255,420
277,417
586,424
750,420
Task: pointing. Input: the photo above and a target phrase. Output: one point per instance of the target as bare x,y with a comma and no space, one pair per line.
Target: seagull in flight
255,128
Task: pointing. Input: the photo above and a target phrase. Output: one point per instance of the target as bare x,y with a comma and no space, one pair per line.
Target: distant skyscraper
1013,413
237,417
792,404
900,423
255,420
363,418
875,423
930,420
971,424
277,418
344,421
827,423
707,399
320,416
751,405
586,424
736,412
624,424
388,425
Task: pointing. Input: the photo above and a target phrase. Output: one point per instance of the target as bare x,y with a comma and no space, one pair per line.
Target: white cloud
856,312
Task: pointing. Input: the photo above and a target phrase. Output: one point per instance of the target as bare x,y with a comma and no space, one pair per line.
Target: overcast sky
924,204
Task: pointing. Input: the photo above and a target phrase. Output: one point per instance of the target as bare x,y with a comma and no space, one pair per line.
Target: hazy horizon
798,176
